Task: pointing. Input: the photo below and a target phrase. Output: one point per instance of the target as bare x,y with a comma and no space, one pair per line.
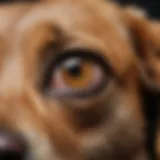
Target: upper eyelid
82,53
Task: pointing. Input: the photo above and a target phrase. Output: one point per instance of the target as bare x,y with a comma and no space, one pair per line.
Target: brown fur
109,125
22,109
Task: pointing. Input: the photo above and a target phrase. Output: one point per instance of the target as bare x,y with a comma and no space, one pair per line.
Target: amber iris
77,73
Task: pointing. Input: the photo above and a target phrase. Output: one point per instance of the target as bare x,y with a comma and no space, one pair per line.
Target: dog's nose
12,146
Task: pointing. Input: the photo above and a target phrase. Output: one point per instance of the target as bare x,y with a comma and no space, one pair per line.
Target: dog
70,80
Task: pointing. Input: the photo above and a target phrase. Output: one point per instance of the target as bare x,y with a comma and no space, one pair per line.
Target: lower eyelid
58,80
76,93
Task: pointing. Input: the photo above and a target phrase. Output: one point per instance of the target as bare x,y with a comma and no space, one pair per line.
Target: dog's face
69,75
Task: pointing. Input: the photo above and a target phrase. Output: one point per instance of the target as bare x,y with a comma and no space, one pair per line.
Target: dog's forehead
82,18
66,15
69,15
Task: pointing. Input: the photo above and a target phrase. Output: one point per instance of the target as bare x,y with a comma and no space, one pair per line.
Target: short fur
110,125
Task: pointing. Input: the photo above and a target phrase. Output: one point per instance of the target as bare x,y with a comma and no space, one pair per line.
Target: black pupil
74,67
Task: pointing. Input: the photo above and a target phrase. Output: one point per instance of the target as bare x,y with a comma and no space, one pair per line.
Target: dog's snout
12,146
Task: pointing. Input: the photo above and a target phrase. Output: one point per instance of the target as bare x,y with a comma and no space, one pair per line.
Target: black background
152,6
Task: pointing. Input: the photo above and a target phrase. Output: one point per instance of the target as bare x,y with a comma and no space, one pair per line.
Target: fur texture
107,125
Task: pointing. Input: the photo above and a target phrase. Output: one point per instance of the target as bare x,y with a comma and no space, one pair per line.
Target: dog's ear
145,36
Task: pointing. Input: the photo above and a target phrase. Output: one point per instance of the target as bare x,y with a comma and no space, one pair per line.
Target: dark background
152,6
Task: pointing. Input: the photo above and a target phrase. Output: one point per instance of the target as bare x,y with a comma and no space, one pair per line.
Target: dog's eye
76,75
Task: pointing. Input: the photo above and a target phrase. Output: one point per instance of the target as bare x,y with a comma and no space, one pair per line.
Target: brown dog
71,66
